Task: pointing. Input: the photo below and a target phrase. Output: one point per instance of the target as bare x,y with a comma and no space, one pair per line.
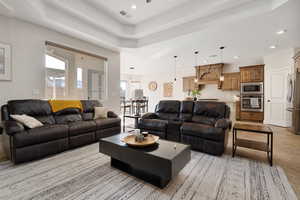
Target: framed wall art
5,62
152,86
168,89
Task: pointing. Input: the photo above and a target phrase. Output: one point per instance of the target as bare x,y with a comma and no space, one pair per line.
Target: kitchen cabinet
252,74
188,83
209,74
231,81
252,116
238,110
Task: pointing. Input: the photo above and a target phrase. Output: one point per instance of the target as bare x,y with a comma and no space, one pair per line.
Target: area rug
86,174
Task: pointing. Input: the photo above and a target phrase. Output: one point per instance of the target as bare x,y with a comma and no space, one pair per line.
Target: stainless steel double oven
252,97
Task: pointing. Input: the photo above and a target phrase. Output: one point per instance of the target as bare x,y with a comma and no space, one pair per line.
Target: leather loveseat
203,125
62,130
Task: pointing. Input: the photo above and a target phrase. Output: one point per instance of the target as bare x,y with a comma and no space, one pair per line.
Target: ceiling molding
90,21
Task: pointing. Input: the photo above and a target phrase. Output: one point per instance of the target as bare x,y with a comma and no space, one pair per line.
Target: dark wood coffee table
156,164
251,144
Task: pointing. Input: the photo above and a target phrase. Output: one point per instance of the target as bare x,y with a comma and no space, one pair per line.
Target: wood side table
251,144
136,120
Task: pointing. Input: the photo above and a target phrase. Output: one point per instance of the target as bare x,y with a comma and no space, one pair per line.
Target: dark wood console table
251,144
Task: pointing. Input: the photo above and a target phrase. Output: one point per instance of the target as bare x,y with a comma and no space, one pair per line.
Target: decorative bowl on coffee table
149,140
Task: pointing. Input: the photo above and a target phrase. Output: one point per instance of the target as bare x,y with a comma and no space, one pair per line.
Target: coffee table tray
149,140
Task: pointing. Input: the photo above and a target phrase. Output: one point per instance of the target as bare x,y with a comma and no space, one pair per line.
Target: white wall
28,73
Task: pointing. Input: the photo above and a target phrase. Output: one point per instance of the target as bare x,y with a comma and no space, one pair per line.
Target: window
79,78
55,77
123,86
73,74
55,63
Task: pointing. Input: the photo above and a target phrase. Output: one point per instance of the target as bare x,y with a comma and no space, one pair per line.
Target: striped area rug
86,174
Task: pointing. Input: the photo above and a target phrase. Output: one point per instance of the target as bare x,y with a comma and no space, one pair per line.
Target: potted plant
195,94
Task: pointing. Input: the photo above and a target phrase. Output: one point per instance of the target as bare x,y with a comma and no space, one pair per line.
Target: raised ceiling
144,11
99,21
249,39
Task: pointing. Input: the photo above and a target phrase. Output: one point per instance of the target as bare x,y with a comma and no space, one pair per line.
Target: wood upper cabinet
252,74
231,81
188,83
209,74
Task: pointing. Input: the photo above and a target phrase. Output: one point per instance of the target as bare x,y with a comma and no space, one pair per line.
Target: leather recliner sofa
65,129
203,125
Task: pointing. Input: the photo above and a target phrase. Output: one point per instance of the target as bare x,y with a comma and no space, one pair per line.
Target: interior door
276,97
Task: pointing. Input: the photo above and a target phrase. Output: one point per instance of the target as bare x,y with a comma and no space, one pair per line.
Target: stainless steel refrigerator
295,97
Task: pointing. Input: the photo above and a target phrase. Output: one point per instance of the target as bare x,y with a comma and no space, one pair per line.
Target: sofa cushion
27,121
153,124
210,109
38,109
168,106
107,123
39,135
168,116
168,110
187,106
204,120
88,108
186,111
77,128
100,113
202,131
68,115
89,105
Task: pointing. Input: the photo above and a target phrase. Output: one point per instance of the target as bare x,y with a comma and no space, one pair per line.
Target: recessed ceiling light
273,47
123,12
280,32
236,57
133,7
132,68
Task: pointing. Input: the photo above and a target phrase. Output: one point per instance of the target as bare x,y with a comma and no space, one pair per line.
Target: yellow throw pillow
100,113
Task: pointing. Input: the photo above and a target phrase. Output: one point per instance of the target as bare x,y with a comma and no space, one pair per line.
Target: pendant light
175,68
222,78
221,57
196,64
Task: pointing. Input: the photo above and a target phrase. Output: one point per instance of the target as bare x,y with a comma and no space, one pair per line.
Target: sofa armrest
10,127
149,116
111,114
223,123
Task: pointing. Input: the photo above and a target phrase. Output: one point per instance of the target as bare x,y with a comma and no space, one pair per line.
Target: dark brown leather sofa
66,129
203,125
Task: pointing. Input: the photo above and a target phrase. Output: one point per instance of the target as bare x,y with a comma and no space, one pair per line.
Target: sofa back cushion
39,109
68,115
88,107
216,110
168,110
186,111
